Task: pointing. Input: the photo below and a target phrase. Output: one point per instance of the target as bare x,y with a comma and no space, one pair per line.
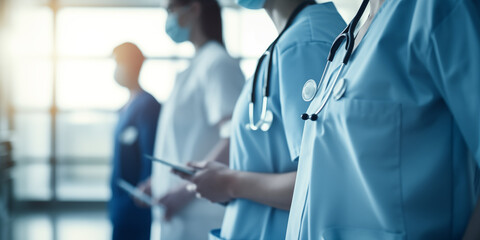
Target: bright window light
96,31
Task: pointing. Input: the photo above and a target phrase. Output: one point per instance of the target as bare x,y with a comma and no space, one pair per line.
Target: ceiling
346,7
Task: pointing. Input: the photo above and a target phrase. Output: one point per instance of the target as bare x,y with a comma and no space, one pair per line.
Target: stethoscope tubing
348,34
266,90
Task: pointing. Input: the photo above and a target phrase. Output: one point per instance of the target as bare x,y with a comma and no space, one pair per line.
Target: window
71,85
30,82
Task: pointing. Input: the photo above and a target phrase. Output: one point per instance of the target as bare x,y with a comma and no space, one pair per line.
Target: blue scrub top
134,137
393,157
299,53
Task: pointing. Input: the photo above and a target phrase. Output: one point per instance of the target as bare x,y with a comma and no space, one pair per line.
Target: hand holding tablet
135,192
178,167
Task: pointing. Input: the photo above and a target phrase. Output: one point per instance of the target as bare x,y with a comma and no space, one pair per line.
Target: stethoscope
266,116
310,89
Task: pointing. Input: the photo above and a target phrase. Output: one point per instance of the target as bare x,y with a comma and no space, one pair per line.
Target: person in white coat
194,122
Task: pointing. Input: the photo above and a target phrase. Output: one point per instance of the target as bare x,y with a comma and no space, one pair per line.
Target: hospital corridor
239,119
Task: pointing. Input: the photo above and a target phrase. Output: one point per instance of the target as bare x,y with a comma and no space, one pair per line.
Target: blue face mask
251,4
176,32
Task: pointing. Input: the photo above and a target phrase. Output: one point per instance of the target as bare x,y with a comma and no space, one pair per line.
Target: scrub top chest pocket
355,149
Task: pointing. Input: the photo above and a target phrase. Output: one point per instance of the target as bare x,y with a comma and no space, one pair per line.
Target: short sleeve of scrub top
221,90
454,60
303,59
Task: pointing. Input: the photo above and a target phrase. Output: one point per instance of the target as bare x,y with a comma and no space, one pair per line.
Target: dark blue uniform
134,137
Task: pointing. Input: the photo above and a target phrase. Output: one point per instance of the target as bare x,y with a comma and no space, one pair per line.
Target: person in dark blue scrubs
134,137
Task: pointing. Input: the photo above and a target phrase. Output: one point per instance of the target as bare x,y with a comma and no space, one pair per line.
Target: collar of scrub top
266,116
348,35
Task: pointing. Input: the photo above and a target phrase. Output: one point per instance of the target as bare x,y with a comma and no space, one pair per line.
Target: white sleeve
222,88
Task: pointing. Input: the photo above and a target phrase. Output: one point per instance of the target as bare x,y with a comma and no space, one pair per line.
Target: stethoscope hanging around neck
266,116
325,88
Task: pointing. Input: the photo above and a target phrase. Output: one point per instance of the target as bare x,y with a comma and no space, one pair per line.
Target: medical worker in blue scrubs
134,137
258,186
393,152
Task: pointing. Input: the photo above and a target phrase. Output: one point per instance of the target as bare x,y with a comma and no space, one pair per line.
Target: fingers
191,187
139,203
163,200
168,212
197,165
155,202
145,187
182,175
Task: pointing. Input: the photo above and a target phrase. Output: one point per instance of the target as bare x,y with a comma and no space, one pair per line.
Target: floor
64,223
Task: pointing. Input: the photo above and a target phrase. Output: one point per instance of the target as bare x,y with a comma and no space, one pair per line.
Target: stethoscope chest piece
309,90
264,124
267,123
338,86
340,89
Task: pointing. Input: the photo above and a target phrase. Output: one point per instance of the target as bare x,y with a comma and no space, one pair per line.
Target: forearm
275,190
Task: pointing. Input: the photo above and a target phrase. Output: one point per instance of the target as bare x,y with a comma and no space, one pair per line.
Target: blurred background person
194,124
134,137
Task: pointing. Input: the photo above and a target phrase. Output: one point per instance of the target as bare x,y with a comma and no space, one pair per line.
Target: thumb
196,165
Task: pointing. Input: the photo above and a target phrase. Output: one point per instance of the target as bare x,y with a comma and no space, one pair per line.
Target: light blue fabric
251,4
214,234
298,56
391,159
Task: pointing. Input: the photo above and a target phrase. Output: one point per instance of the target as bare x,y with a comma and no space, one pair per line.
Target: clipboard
132,190
180,168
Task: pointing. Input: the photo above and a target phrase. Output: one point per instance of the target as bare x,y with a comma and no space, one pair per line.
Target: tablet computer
178,167
134,191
